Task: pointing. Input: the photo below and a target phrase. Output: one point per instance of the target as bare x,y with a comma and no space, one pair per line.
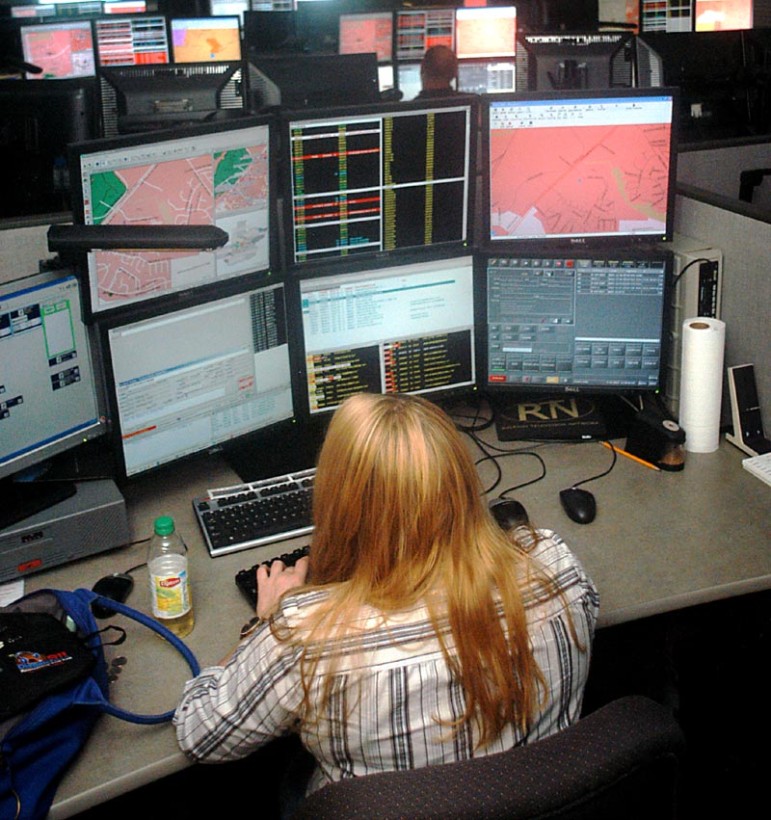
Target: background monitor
574,322
139,40
205,39
211,175
140,98
417,30
408,80
379,179
579,167
556,61
369,32
191,379
485,31
49,397
268,31
487,76
396,329
37,122
64,50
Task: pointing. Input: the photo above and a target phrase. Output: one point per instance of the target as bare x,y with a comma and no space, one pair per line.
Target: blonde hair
399,518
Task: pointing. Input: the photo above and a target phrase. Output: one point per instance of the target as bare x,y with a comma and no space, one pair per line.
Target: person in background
438,70
418,632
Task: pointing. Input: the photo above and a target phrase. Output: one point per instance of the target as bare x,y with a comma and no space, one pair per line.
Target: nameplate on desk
550,417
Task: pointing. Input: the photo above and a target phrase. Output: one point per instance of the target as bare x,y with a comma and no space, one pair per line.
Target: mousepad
551,417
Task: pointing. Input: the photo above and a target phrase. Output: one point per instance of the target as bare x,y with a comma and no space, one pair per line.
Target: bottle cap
164,525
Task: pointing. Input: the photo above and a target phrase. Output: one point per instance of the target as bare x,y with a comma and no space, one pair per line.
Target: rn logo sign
550,417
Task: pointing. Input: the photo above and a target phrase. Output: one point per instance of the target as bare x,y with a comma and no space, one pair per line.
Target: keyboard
256,513
246,579
759,466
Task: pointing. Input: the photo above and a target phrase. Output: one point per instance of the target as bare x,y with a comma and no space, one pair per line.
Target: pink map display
589,180
229,189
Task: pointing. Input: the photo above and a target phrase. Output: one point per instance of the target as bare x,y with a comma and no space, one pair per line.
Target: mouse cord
605,472
492,453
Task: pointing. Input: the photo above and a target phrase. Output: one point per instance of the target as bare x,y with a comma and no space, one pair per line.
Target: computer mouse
579,505
116,586
509,513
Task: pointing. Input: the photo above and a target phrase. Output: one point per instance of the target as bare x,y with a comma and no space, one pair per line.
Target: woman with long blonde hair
418,631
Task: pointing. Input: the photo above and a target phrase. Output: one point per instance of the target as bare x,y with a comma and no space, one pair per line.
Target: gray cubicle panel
743,233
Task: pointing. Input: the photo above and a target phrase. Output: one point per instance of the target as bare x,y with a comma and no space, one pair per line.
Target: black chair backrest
620,761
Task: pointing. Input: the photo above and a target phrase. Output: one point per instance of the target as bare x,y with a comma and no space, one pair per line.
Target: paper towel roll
701,383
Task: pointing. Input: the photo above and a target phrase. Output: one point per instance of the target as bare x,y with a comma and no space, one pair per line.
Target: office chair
620,761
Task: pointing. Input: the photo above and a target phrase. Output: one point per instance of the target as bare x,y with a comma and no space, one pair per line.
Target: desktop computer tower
91,521
698,271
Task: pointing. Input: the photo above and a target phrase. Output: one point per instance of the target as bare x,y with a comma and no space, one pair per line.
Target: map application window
63,50
564,168
215,178
205,39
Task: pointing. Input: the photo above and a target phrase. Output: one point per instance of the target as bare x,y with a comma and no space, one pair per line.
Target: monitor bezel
191,300
98,427
586,240
79,150
522,390
457,247
355,265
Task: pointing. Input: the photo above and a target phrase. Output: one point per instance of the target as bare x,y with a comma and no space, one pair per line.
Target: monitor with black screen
196,377
594,168
573,322
49,393
381,179
219,175
39,120
64,50
486,32
405,328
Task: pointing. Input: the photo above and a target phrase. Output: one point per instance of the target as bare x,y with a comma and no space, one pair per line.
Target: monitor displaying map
205,39
64,50
579,167
205,175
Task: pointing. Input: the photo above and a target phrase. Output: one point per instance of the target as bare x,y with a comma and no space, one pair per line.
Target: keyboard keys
255,514
246,579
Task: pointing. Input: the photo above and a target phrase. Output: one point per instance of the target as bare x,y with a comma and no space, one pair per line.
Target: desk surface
661,541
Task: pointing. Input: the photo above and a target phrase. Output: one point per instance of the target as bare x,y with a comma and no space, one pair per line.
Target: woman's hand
274,581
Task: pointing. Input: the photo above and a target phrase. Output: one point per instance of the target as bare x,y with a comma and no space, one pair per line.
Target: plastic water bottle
170,594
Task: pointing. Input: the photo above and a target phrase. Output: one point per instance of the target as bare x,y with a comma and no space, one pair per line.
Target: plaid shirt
393,697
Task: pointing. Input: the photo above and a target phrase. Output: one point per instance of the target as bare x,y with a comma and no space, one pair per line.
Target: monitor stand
563,417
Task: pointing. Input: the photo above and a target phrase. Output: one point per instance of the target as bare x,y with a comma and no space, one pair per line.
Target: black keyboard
246,579
257,513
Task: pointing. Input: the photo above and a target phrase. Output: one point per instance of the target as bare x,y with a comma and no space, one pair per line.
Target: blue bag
38,743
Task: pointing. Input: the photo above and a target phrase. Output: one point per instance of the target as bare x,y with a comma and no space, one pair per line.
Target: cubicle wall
743,234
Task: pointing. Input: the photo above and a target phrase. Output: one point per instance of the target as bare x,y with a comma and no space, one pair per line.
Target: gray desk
661,541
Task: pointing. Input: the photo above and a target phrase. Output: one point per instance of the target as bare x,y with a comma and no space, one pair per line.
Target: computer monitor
220,174
49,390
570,168
64,50
38,121
225,8
379,179
417,30
487,76
137,40
205,39
408,80
486,32
573,322
268,31
405,328
144,98
191,379
367,32
558,61
296,81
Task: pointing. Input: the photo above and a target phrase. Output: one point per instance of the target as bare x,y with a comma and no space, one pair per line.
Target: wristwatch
251,625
